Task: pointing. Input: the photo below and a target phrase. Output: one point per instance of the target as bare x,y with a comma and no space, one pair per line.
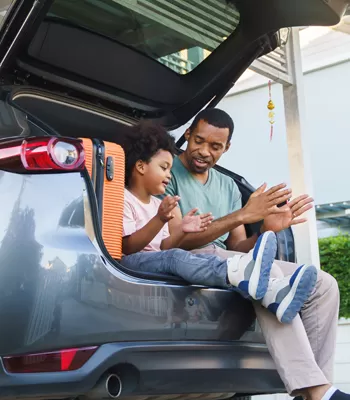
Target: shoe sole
264,255
297,296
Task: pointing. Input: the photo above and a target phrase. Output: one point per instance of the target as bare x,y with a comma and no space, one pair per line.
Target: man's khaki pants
303,351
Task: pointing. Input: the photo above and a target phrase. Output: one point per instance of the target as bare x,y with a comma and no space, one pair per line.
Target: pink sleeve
129,223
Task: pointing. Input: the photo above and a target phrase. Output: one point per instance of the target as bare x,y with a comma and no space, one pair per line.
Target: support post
306,239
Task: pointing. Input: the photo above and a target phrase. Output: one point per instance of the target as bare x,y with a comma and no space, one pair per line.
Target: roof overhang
334,213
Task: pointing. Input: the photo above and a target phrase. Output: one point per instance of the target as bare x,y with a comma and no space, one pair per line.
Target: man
303,350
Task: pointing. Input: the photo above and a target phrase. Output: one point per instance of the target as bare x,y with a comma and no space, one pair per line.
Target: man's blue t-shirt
219,195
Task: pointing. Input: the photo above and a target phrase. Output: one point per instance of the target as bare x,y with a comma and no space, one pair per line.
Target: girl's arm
141,238
175,239
190,223
138,240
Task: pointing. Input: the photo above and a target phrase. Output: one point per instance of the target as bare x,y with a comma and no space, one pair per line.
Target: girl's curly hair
142,142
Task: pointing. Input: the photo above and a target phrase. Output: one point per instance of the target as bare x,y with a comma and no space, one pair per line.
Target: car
74,76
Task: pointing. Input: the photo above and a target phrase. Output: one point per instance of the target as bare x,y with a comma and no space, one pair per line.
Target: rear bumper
158,368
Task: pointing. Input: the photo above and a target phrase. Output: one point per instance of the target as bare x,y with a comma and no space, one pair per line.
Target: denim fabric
198,269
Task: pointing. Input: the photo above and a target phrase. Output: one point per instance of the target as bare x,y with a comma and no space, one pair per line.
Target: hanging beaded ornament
271,114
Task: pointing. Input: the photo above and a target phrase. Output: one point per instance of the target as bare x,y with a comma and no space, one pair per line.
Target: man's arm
175,238
216,229
238,241
259,205
190,223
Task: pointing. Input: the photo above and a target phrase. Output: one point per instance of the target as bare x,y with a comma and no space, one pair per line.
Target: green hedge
335,259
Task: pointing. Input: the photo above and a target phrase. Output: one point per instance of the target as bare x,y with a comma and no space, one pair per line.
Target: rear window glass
179,33
4,7
12,121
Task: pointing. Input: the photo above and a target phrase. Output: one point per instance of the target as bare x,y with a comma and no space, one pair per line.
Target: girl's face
156,173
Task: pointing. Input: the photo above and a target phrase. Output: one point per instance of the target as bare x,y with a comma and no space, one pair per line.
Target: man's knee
276,271
326,283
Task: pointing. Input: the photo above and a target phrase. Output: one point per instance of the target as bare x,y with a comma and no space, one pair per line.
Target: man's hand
293,210
166,207
192,223
262,204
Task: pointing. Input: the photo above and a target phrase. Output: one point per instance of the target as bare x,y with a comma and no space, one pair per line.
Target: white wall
252,154
342,357
327,97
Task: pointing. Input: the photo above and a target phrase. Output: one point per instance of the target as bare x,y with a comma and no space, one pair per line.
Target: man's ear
228,145
187,134
140,167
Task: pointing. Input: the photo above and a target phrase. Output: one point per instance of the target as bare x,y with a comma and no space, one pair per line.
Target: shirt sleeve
129,223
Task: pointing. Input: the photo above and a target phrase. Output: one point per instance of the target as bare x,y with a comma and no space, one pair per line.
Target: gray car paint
58,290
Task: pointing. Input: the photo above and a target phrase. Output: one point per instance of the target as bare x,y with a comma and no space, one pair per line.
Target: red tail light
63,360
42,154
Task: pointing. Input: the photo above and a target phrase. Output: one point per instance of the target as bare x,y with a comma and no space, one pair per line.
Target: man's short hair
215,117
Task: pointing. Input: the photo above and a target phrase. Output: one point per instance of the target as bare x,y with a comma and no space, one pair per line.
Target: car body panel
59,288
158,369
64,292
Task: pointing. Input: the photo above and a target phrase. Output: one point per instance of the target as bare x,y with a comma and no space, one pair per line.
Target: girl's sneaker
250,273
285,297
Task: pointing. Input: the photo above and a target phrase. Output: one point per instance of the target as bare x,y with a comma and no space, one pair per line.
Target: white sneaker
250,273
285,297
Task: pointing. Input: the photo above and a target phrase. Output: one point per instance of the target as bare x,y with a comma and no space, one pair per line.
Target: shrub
335,259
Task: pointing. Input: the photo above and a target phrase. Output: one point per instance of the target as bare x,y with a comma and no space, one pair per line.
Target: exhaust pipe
109,387
114,386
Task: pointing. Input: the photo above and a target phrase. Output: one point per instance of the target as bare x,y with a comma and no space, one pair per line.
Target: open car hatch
147,58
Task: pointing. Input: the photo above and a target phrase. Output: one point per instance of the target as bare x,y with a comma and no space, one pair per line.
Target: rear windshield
4,7
12,122
177,33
